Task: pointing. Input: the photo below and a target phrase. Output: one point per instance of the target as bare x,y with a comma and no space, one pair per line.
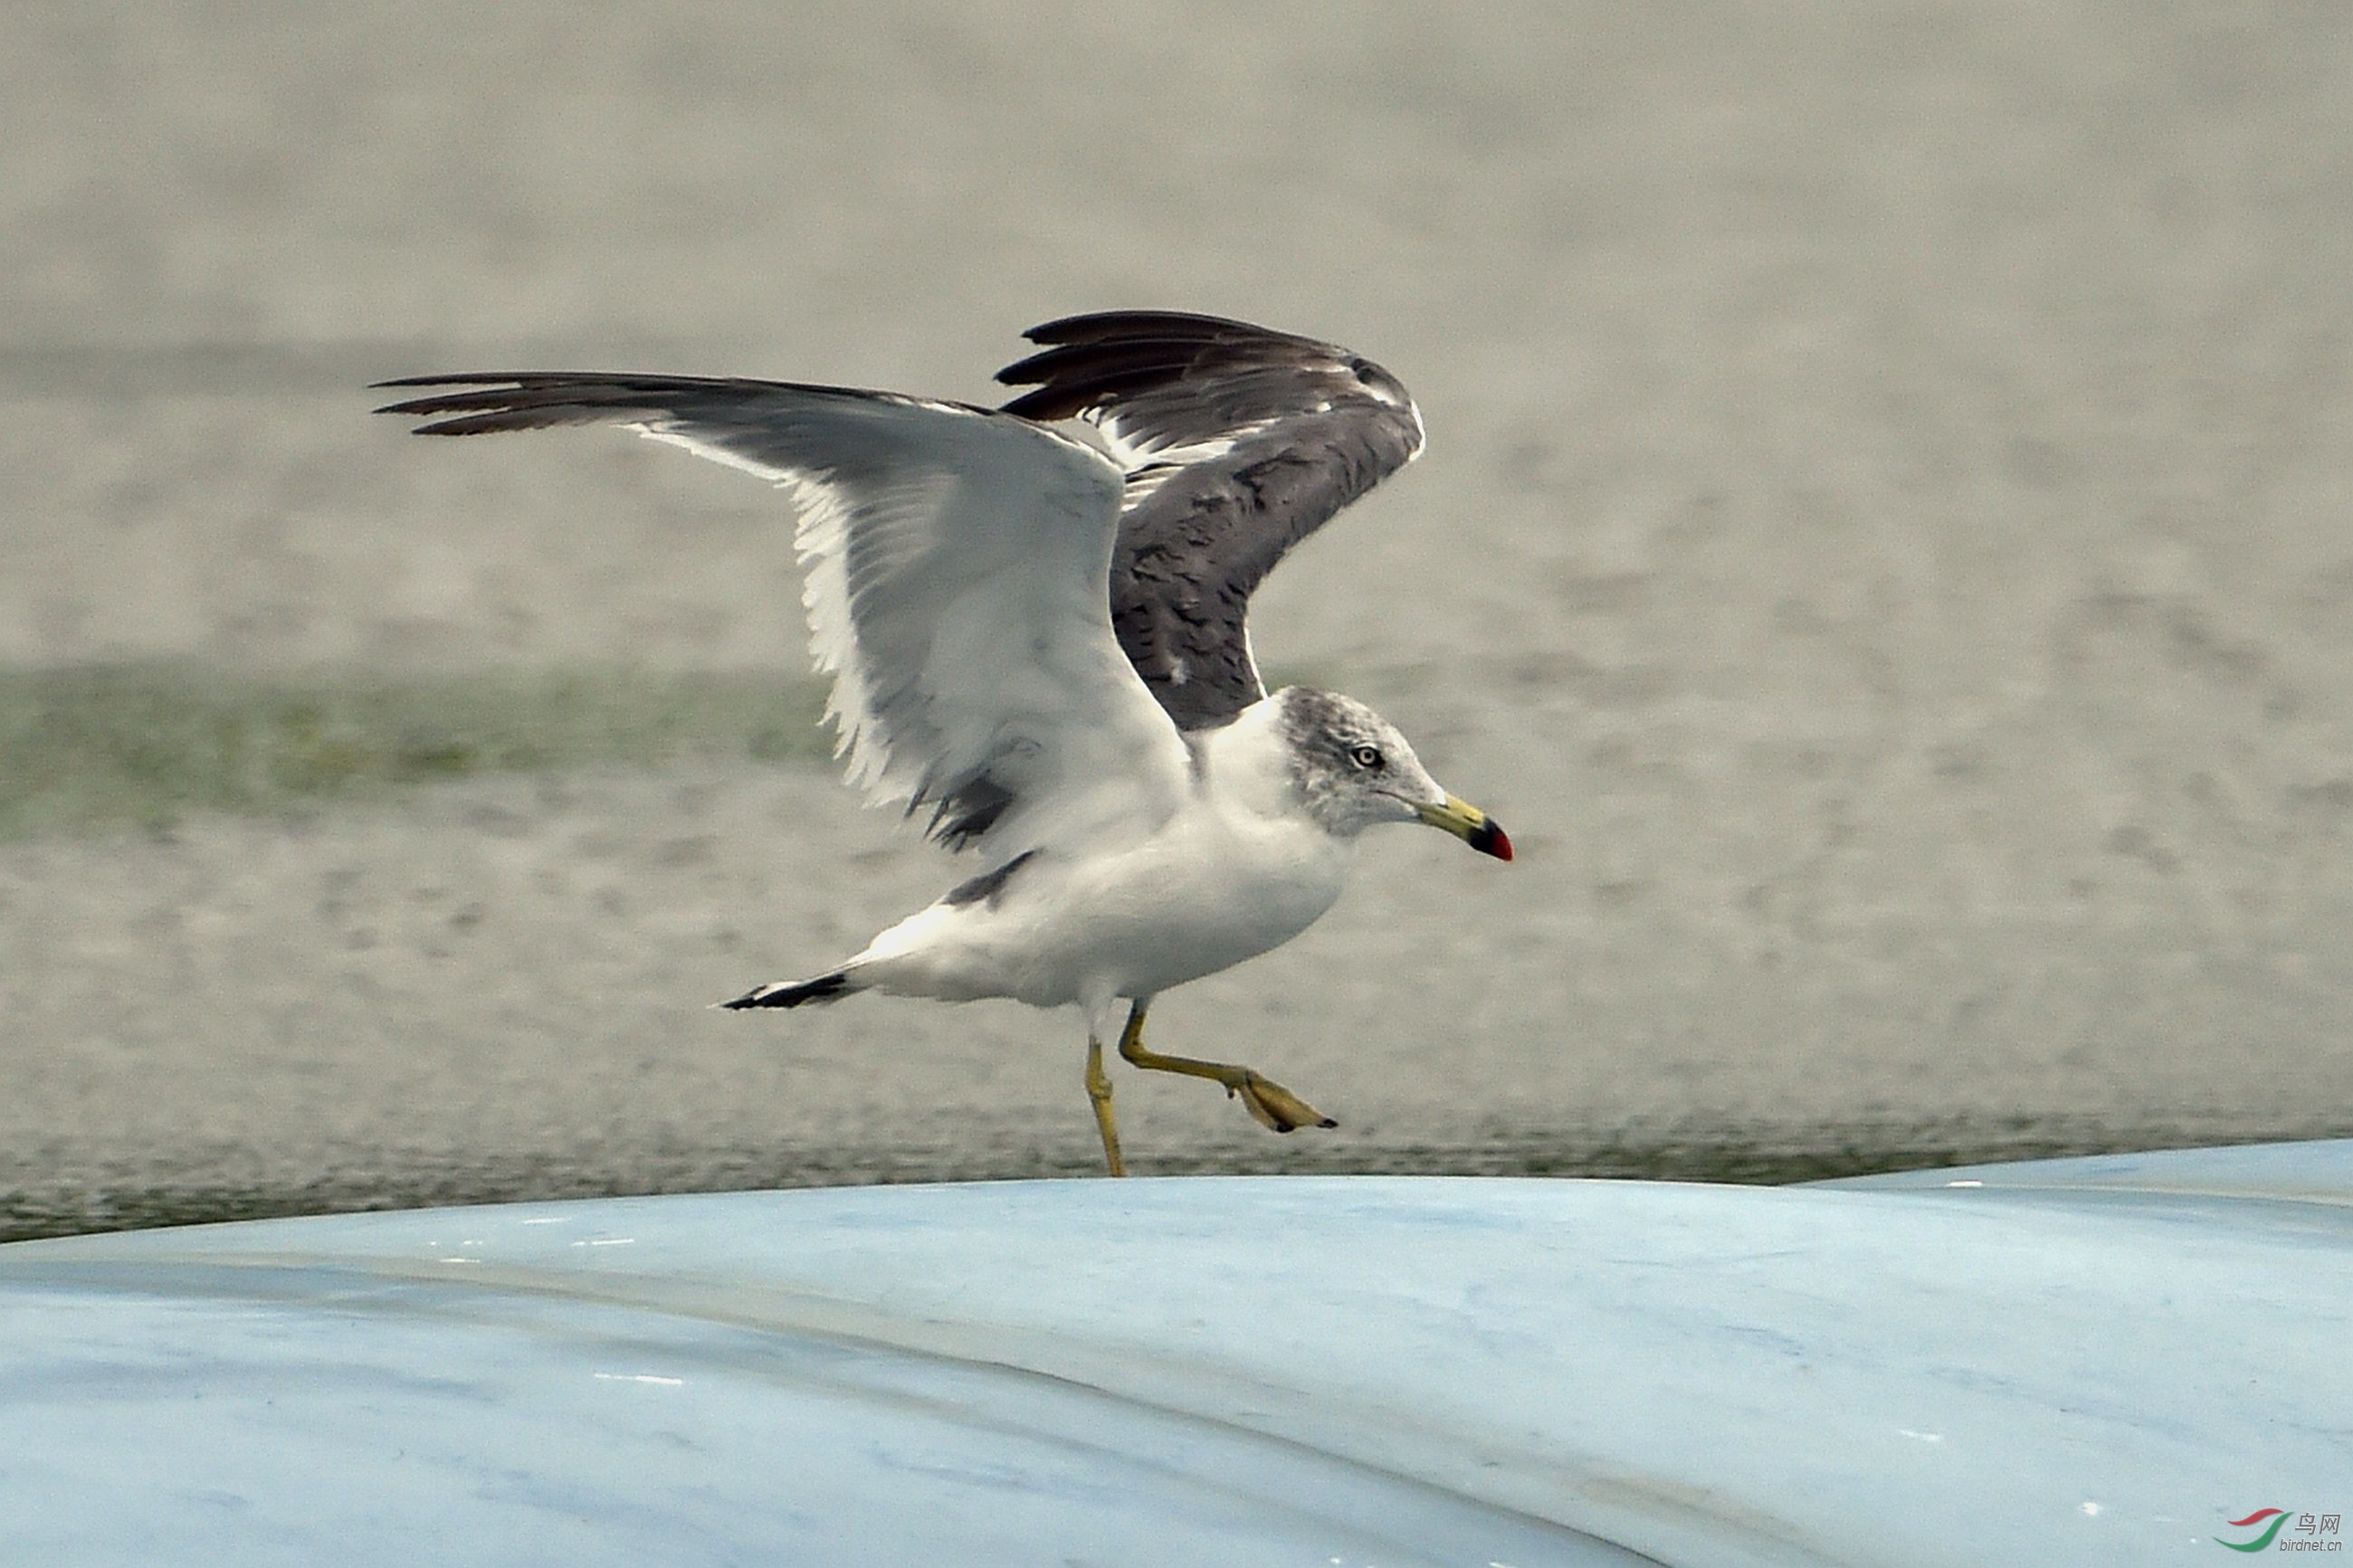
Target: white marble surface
2093,1361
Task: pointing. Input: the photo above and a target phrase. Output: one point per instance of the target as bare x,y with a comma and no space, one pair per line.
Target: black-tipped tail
792,992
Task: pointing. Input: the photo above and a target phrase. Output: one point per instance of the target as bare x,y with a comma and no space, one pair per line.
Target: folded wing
1238,443
955,559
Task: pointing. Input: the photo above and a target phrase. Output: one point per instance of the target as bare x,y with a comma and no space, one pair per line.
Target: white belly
1204,894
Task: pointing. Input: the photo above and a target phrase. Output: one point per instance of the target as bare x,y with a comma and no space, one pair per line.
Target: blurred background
1882,549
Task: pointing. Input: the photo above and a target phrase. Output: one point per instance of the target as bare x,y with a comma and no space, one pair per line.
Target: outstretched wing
955,559
1238,442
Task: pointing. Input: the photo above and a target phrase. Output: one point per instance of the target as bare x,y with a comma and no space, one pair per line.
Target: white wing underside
955,567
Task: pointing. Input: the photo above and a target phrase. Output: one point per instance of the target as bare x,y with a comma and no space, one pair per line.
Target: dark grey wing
1238,442
955,559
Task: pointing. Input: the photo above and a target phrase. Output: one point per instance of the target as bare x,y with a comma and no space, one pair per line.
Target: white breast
1211,891
1239,871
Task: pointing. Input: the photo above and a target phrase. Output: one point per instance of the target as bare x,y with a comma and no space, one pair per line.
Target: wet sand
1881,551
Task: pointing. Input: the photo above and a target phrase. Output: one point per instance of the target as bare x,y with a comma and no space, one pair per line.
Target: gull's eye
1366,756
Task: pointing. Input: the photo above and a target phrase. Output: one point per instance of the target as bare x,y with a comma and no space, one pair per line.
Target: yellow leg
1274,1105
1099,1090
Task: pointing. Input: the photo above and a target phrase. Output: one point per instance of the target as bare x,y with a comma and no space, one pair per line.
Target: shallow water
1880,552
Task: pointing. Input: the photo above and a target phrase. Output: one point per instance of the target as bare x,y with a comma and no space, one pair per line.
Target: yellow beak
1470,825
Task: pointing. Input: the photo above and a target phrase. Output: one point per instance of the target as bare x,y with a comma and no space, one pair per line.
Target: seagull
1034,620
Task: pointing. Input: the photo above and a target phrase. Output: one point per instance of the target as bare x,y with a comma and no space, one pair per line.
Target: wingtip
1094,326
436,403
477,403
458,378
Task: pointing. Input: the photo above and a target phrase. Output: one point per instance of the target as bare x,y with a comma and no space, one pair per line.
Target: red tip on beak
1489,838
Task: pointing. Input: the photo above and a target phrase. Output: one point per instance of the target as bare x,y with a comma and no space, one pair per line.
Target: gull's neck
1247,764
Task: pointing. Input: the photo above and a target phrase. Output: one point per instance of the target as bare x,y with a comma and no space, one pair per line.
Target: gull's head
1353,769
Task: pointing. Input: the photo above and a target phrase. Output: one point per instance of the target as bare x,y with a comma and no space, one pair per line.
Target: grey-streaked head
1353,769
